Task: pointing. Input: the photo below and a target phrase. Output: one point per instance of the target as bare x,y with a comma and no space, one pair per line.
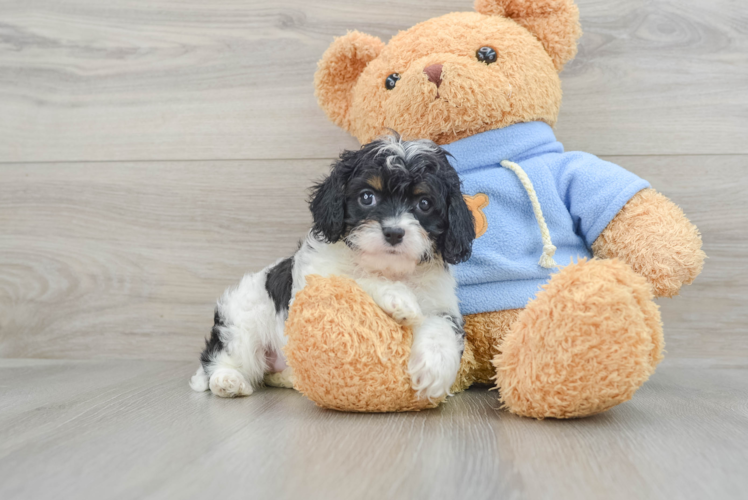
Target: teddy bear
558,340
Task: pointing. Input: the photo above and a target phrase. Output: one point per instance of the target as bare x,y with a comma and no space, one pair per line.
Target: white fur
434,357
395,298
199,381
413,291
404,151
229,383
375,255
280,379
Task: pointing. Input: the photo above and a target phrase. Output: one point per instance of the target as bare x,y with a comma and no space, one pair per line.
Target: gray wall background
153,152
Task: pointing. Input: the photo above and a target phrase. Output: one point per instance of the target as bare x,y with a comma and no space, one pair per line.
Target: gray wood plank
127,80
658,77
708,318
125,260
133,429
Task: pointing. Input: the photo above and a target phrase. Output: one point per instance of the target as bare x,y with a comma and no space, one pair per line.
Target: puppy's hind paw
229,383
199,381
280,379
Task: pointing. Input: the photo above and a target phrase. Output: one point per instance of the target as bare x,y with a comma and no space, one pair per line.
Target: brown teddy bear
558,342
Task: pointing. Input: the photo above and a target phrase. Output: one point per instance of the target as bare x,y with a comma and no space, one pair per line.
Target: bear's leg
346,352
586,343
484,333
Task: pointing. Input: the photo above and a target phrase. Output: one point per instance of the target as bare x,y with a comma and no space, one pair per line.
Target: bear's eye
486,55
390,81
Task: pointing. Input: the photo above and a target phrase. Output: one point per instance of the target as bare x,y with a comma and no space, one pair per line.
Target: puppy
390,216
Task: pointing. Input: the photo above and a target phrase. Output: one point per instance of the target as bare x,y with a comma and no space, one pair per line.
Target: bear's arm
655,238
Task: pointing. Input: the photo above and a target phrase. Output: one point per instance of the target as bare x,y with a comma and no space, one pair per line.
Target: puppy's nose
393,235
434,72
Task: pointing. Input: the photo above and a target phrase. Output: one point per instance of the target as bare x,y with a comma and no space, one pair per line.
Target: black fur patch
457,327
406,173
278,284
457,324
213,344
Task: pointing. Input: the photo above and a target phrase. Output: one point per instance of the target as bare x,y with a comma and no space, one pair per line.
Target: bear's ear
338,71
554,22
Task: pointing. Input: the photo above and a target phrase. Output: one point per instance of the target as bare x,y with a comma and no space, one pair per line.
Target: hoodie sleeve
593,190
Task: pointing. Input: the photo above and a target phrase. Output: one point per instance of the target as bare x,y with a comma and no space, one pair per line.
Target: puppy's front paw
402,305
229,383
434,362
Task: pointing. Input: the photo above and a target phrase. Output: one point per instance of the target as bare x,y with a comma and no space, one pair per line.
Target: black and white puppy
390,216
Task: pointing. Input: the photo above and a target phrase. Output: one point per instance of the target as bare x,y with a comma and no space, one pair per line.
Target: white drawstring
546,260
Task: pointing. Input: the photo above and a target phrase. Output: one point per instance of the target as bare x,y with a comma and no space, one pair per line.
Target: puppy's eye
424,205
486,55
367,199
390,81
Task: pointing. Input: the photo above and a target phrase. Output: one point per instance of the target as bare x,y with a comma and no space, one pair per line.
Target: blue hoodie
579,194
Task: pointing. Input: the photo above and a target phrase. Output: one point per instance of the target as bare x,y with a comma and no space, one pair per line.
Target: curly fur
339,70
347,354
587,341
473,97
554,22
653,236
484,333
593,335
390,216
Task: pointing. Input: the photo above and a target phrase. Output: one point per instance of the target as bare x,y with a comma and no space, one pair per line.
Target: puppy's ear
554,22
338,71
457,241
327,205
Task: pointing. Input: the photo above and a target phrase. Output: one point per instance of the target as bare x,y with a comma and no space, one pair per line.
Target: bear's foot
586,343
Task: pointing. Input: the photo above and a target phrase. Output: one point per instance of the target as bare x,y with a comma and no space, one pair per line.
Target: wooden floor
153,152
133,429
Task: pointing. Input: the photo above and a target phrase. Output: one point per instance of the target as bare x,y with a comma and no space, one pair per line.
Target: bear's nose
434,72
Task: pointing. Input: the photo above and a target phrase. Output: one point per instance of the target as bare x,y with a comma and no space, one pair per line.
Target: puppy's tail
199,381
